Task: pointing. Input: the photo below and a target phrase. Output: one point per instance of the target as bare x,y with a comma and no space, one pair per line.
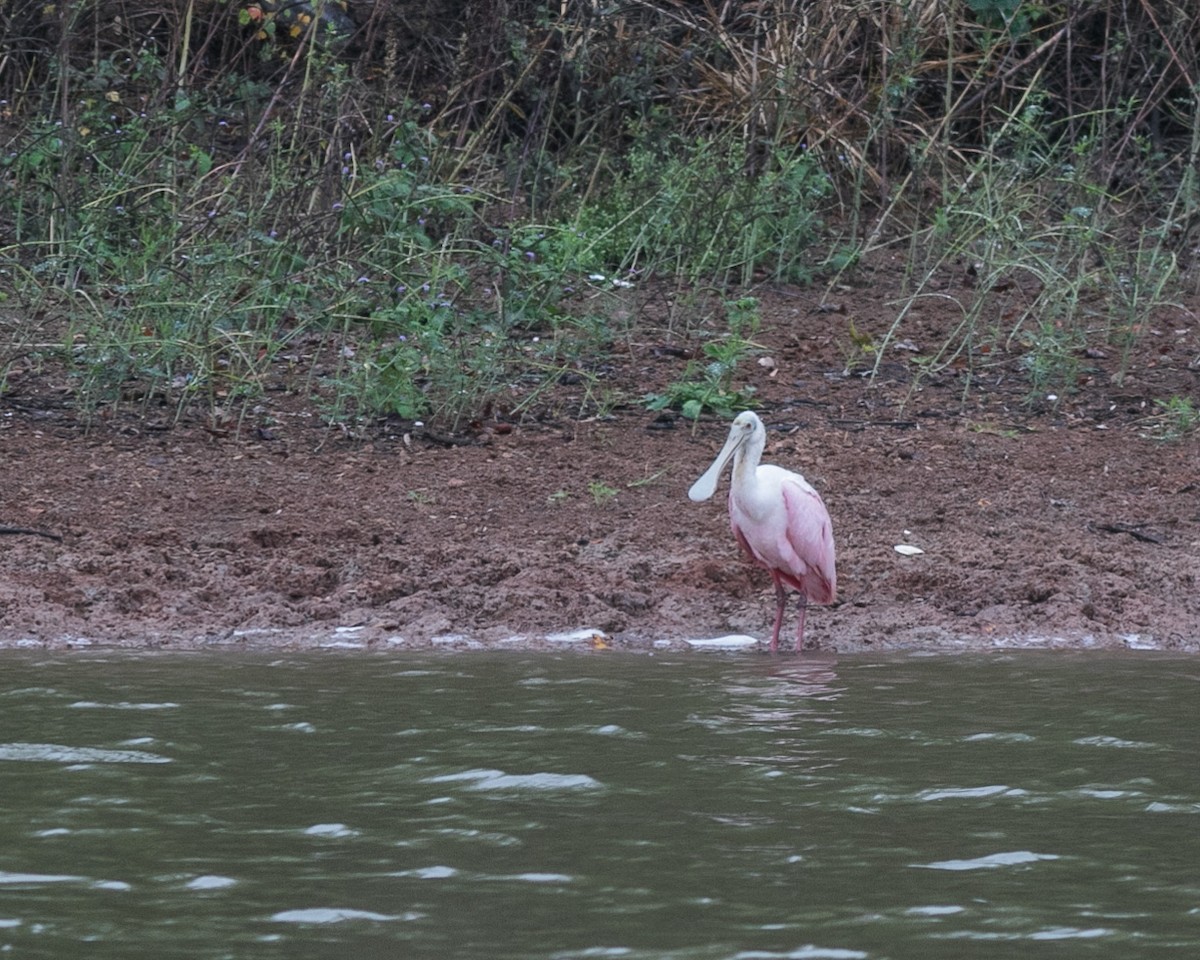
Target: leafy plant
686,208
1177,418
709,386
188,211
1044,254
601,492
1052,360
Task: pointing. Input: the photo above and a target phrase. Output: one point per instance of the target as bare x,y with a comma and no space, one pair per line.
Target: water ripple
59,753
1048,933
438,872
336,830
321,915
210,882
807,952
990,862
499,780
971,793
1116,742
7,878
122,705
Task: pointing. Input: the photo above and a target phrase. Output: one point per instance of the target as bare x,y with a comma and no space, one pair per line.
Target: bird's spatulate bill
706,486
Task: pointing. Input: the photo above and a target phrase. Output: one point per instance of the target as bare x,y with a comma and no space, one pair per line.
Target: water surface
577,806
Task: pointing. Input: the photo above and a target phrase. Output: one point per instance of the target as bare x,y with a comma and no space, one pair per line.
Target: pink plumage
778,519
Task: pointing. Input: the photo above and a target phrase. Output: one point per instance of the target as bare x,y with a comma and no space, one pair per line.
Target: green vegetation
1177,418
424,213
690,210
709,387
601,492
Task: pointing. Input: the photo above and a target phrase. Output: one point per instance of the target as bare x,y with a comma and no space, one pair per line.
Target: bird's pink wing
810,534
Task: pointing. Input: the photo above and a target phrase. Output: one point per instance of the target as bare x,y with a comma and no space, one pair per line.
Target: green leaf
203,161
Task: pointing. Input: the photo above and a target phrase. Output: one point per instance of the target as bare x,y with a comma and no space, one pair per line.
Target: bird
779,520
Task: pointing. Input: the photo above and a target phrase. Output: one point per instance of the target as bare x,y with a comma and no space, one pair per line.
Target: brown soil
1042,522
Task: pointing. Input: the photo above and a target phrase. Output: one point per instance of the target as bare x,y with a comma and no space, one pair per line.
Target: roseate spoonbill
780,522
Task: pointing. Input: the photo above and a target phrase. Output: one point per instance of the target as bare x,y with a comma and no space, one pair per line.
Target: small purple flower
211,214
401,288
347,155
273,234
363,280
390,118
222,123
119,209
339,206
427,107
424,288
530,255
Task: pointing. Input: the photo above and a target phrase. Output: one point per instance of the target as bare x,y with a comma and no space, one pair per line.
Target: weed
709,387
1177,418
1052,360
192,207
601,492
647,480
684,208
1042,242
860,351
1008,433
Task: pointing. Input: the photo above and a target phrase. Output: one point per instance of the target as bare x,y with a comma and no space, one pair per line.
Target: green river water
604,805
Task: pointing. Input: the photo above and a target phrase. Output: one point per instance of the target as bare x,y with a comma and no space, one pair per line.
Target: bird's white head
745,432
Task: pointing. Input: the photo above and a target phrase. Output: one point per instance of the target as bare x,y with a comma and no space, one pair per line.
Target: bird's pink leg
803,600
780,604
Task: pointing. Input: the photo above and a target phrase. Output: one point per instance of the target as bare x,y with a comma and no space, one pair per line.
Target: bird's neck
745,471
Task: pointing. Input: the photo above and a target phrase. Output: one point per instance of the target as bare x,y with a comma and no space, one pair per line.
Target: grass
646,481
266,198
430,310
601,493
708,387
1050,262
1176,419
